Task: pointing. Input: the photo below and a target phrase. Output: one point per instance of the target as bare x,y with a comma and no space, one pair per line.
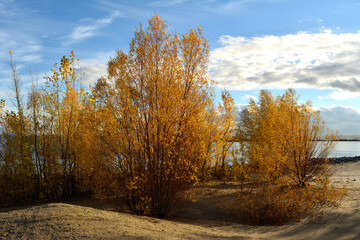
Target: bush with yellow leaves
286,161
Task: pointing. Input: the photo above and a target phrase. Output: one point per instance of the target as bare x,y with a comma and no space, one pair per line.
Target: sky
312,46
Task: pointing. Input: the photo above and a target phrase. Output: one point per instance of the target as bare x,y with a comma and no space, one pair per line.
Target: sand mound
203,219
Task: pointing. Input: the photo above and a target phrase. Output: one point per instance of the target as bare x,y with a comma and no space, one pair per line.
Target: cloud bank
301,60
342,118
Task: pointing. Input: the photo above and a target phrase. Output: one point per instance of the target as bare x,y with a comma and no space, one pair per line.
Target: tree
225,133
2,106
282,139
285,146
16,166
157,98
62,103
308,144
33,105
18,102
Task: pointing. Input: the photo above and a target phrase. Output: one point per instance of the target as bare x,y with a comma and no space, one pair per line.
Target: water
346,149
342,149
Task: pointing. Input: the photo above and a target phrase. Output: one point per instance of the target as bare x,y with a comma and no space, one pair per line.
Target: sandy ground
203,219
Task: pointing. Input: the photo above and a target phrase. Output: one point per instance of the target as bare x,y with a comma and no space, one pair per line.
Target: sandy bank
203,219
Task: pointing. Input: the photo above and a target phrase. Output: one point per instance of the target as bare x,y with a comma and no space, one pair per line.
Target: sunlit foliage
153,113
38,141
16,166
286,149
223,138
150,130
282,139
277,204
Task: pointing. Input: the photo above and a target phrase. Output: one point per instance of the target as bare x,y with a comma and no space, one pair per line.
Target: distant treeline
343,140
351,140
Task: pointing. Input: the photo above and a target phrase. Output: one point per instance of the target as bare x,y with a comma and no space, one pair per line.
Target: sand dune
203,219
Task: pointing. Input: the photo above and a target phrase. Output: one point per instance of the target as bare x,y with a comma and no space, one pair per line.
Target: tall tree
158,98
2,106
62,103
17,99
16,164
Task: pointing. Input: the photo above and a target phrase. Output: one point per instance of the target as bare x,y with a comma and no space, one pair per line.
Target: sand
204,219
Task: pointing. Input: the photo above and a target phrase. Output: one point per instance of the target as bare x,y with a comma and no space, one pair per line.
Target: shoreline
340,160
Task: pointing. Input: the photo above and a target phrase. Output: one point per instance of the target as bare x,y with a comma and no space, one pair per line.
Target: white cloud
343,95
95,67
342,118
93,71
301,60
90,29
248,96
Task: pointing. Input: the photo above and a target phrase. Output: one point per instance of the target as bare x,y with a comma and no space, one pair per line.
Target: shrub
280,204
285,161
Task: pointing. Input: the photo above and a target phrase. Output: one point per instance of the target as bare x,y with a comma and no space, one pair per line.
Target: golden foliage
282,139
149,131
38,152
153,114
223,137
279,204
286,161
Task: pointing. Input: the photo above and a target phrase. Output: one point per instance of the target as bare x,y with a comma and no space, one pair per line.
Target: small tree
282,138
286,148
305,141
225,134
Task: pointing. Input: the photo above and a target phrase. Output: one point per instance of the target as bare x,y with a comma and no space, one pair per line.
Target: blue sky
312,46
